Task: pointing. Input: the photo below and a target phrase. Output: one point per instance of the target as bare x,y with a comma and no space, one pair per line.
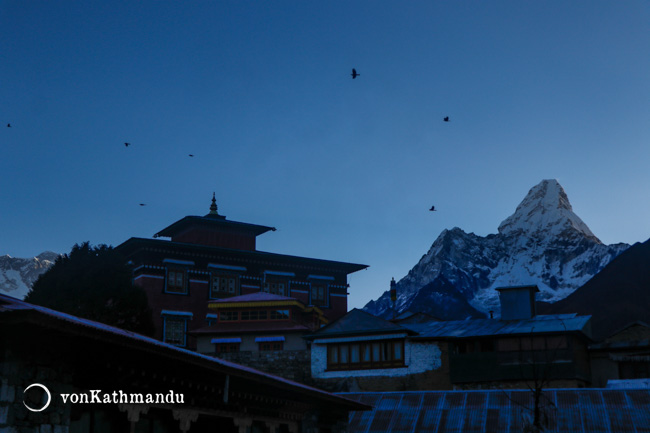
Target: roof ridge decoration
214,209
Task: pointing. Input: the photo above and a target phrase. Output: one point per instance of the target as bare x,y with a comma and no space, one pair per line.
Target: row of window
175,327
513,344
365,355
226,285
251,315
262,346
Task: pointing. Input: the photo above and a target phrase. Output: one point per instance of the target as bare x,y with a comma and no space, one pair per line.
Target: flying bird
354,73
446,119
127,144
191,155
142,204
8,125
433,208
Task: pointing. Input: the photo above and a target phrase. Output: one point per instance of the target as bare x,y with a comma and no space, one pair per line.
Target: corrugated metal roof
485,327
358,322
566,410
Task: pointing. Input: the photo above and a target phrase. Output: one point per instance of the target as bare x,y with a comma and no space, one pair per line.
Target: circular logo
47,391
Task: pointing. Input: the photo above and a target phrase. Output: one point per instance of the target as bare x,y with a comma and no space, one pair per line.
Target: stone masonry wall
290,364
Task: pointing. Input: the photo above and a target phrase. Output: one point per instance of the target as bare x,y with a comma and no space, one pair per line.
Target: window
176,281
532,343
276,287
228,316
224,285
279,315
226,347
271,345
319,294
254,315
365,355
174,328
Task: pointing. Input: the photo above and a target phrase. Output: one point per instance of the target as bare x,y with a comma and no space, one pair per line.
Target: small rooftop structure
214,230
517,302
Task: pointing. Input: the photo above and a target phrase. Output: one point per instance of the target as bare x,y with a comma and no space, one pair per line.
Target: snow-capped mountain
17,275
544,242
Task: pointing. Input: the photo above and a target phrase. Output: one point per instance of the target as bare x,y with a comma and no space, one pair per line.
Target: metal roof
133,244
211,221
491,327
358,322
504,411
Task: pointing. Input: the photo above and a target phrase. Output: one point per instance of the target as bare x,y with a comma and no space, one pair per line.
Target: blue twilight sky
261,93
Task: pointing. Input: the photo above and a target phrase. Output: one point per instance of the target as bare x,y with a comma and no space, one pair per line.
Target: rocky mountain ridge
543,242
18,274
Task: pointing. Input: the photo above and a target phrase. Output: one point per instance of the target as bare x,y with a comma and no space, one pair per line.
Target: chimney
517,302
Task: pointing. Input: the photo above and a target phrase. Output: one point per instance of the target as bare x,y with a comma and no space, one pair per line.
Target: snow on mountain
544,242
17,275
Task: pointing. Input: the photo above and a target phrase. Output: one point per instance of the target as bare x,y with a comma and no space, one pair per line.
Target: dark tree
94,283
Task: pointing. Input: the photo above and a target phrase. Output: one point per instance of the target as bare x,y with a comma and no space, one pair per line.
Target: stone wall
290,364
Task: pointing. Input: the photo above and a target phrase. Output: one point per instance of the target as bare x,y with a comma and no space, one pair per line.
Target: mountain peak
545,211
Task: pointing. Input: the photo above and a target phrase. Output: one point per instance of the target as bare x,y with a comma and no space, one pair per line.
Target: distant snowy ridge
17,275
544,242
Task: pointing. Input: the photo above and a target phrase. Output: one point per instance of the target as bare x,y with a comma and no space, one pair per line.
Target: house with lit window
367,353
200,259
360,351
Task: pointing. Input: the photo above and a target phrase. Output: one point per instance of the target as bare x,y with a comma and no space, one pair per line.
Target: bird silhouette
192,156
142,204
354,73
433,208
127,144
446,119
8,125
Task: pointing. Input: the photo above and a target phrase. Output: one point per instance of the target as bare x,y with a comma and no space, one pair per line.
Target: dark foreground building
60,373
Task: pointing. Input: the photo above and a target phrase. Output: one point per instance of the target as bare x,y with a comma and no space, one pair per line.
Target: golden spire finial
213,206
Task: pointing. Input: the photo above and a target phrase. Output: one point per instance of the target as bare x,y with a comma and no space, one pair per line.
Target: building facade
210,258
519,350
